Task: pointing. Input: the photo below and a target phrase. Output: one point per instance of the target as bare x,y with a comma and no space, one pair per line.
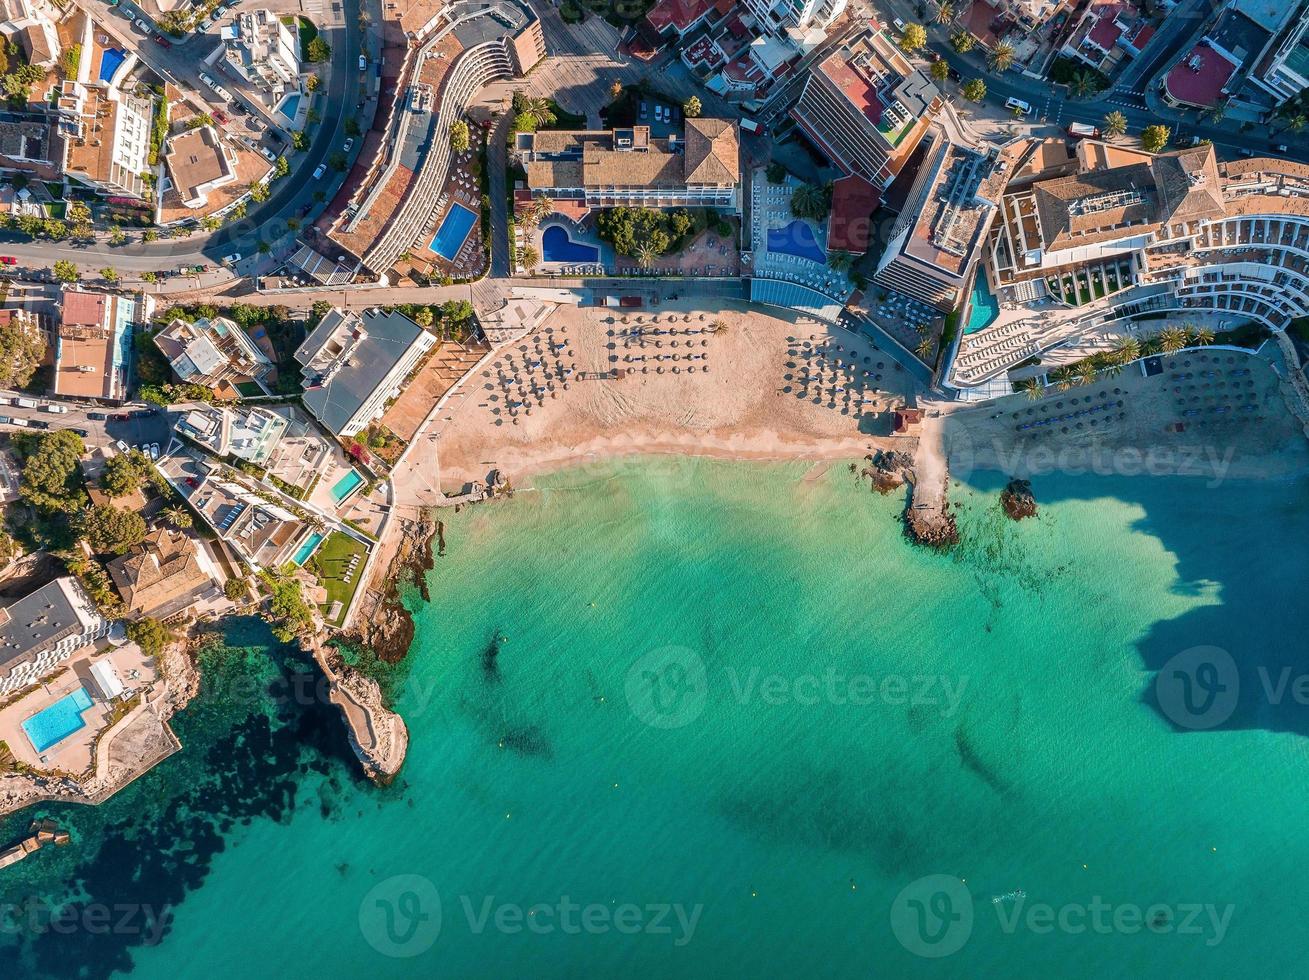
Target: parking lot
139,426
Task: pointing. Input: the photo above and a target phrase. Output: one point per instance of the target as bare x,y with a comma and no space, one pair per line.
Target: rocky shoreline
378,735
1017,500
383,624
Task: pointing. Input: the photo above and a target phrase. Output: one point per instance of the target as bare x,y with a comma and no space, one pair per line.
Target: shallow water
682,717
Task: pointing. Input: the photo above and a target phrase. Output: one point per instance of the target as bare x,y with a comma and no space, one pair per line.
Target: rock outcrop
1017,500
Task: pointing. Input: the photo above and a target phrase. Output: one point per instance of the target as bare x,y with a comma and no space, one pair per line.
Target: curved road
267,222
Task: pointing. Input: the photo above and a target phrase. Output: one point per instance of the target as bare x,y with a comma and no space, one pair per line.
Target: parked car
954,75
645,109
363,63
8,260
349,145
1018,106
222,117
320,170
269,154
55,409
121,446
163,41
38,423
154,450
142,25
1282,148
232,259
899,25
81,432
1247,151
192,482
97,416
205,25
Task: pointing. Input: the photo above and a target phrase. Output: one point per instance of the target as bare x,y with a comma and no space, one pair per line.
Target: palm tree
645,256
962,41
1215,112
7,761
542,207
718,326
809,201
839,261
1127,350
1063,377
540,111
944,12
1297,122
1032,388
1083,83
1001,57
1115,124
925,348
1171,339
177,516
1202,336
1086,372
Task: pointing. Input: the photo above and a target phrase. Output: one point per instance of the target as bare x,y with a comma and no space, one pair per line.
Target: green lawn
332,558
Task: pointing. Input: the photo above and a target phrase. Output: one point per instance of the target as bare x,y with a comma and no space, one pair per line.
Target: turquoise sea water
861,714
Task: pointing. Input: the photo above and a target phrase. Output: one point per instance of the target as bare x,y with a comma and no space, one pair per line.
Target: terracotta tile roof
158,573
1189,185
83,309
712,152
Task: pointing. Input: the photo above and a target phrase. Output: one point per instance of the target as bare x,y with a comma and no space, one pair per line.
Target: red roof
1105,33
853,202
681,15
1142,36
1201,85
853,85
84,309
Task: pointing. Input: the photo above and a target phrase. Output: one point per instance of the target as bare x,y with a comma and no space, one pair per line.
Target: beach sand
754,402
1212,413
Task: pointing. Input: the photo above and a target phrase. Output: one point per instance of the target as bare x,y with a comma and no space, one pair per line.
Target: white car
320,170
154,450
232,259
363,62
204,25
145,28
122,446
899,25
349,145
1018,106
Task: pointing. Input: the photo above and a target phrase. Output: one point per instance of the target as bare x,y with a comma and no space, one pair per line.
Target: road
293,196
138,426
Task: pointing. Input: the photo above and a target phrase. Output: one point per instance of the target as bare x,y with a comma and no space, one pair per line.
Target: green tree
974,90
289,614
944,12
318,50
1126,350
150,635
109,530
124,473
775,173
66,271
692,108
54,229
1115,124
423,316
77,212
962,41
811,201
1032,388
337,161
1171,339
460,138
51,479
839,261
117,236
280,167
22,346
1083,83
352,126
1001,58
914,38
109,274
939,70
313,83
1154,138
177,516
235,589
300,140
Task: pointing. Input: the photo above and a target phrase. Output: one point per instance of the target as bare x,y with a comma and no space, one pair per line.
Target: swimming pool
796,238
110,62
51,725
983,308
289,106
557,246
303,552
343,487
450,237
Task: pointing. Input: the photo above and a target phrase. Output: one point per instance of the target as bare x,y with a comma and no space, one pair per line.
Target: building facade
213,353
264,51
45,628
866,107
93,344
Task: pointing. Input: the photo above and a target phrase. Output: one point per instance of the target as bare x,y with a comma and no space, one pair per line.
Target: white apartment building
45,628
264,51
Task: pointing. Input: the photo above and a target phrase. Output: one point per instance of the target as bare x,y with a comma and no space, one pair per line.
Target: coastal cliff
377,735
382,623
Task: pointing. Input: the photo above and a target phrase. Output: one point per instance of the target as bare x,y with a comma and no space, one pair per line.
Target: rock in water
1017,500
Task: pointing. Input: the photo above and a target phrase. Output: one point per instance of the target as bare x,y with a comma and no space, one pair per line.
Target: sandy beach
736,384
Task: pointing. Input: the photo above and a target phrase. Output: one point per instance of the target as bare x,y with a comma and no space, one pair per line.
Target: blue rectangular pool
983,308
50,726
110,61
452,234
343,487
303,552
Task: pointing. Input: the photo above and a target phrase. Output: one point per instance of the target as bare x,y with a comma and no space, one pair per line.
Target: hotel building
45,628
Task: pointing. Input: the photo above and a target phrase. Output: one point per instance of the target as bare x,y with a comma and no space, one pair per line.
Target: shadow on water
252,740
1245,544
